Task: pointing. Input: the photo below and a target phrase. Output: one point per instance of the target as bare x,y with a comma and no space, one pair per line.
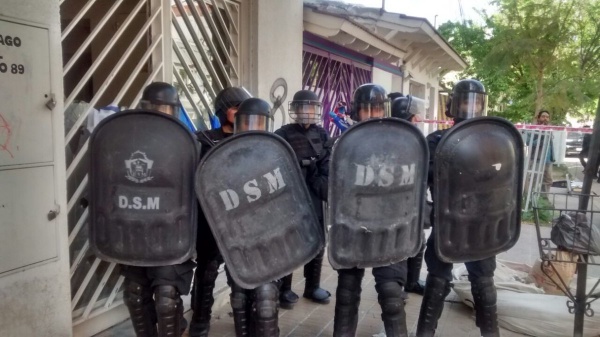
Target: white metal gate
111,50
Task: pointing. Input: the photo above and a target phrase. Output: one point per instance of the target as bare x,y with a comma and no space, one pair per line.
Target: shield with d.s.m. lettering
478,179
377,186
258,207
143,209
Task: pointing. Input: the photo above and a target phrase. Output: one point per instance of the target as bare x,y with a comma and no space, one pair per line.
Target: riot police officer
411,109
468,101
208,257
153,294
308,141
370,101
254,310
408,107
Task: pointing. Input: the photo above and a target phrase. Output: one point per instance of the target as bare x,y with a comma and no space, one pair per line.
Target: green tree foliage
533,55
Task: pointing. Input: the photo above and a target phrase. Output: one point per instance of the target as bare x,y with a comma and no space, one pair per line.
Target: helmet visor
305,112
418,106
373,110
172,110
245,123
468,105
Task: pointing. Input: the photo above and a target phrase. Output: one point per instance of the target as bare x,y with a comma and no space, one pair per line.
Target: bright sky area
436,11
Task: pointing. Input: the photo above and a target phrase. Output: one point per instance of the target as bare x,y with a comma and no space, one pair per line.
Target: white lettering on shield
137,203
274,181
383,175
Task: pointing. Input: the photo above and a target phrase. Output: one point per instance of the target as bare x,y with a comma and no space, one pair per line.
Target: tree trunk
539,94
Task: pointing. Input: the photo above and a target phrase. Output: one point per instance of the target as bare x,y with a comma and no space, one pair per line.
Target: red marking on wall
5,135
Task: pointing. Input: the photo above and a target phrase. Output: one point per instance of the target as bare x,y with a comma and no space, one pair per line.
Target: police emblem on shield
139,167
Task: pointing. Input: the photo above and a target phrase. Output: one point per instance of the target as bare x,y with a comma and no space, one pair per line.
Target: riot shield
478,178
377,186
258,207
143,210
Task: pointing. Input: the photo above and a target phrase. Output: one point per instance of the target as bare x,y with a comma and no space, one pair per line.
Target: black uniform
309,146
153,294
481,273
208,256
389,280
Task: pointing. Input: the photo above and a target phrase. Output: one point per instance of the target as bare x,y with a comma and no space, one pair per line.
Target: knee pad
266,301
389,295
212,271
349,288
167,299
238,300
484,291
135,293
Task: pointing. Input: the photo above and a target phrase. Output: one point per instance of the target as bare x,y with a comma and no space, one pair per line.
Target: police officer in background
153,294
468,101
254,310
308,142
411,109
370,101
208,257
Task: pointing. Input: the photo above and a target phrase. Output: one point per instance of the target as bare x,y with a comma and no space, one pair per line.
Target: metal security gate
205,53
111,50
333,78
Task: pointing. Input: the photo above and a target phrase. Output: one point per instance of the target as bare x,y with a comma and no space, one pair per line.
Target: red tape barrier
522,126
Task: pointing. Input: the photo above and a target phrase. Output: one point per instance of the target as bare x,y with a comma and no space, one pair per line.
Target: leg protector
436,290
204,284
312,273
347,302
265,310
413,284
239,305
484,298
140,304
389,295
169,310
287,298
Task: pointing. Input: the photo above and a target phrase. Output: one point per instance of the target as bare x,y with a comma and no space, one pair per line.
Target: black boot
436,290
390,299
287,298
347,302
202,298
266,317
169,311
312,274
484,299
413,284
140,304
239,304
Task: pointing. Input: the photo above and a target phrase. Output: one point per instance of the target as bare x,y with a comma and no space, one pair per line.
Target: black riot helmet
229,98
305,108
253,114
469,100
370,101
407,107
161,96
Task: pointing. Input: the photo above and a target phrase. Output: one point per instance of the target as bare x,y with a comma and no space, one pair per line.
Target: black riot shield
258,207
478,178
143,209
377,190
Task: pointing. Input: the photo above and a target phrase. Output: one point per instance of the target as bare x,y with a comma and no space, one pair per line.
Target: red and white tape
522,126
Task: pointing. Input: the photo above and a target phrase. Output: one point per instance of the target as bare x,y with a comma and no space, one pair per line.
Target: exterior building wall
274,45
35,299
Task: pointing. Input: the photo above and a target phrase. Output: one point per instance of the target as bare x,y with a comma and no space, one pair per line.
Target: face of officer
164,108
230,113
372,110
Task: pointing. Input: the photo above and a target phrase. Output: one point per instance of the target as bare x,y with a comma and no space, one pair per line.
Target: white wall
383,78
36,301
274,43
